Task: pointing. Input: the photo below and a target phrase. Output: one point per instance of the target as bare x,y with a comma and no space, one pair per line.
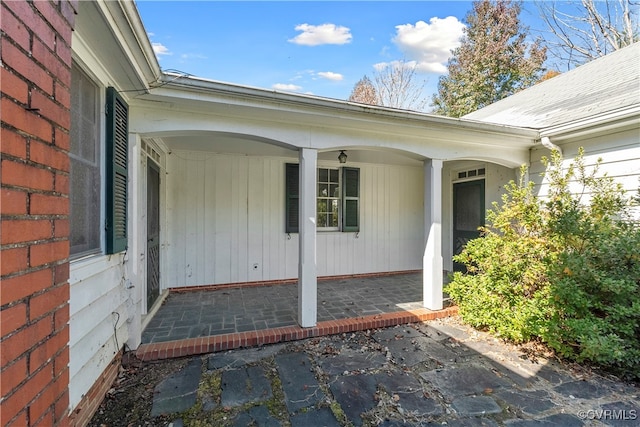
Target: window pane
334,175
322,206
323,190
84,174
322,220
334,190
323,175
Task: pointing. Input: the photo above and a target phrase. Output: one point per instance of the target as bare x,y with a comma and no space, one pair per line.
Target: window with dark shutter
117,147
292,198
350,199
328,192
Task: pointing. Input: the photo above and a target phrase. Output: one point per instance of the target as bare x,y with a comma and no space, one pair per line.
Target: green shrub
565,270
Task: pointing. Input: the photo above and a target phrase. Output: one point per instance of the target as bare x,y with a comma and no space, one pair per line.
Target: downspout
546,142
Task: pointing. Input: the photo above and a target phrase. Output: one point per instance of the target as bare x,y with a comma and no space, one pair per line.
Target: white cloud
329,75
430,44
160,49
192,56
314,35
286,87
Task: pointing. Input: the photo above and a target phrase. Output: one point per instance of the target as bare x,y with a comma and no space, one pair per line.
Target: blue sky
320,48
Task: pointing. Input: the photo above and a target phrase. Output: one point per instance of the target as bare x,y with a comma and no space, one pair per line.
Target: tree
493,61
397,87
588,29
364,92
394,86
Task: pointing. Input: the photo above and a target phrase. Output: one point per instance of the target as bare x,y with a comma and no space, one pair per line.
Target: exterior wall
101,293
496,177
35,73
226,215
620,153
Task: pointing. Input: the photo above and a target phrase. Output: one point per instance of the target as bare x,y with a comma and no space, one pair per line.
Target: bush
563,270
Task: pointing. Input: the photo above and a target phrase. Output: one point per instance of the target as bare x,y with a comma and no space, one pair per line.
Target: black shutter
292,198
117,147
350,199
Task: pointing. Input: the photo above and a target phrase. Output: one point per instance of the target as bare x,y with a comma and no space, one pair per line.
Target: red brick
62,95
26,176
51,62
14,86
13,202
23,65
40,412
26,121
24,395
13,375
13,143
25,339
15,29
50,109
63,50
32,20
12,318
61,406
61,185
61,317
43,204
48,302
68,12
61,362
62,139
12,261
45,253
49,155
25,230
61,273
61,228
48,350
54,18
19,287
21,421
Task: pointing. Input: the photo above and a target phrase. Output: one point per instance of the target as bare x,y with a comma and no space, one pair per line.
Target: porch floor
203,321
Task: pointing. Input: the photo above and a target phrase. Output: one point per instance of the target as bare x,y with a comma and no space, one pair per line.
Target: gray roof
606,84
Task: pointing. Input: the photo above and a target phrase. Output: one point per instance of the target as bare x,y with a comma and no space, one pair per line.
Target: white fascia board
612,121
194,93
124,21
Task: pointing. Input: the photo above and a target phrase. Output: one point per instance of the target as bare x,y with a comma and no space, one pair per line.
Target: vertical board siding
226,215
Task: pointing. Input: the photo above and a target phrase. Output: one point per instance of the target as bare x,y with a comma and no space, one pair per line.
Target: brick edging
216,343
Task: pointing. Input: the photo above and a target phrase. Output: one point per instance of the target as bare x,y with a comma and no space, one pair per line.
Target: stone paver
178,391
203,313
240,386
360,380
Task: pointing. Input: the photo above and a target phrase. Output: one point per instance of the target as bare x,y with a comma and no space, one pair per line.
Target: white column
307,270
137,237
432,259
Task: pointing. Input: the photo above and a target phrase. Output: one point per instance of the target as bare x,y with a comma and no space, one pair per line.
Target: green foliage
494,60
565,269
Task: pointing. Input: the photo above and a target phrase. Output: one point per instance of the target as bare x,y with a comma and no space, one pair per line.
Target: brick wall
35,78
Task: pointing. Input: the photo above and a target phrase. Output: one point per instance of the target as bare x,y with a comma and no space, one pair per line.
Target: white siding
226,222
98,319
620,154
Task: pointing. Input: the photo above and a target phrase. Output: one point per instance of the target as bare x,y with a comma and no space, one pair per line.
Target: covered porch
233,180
201,320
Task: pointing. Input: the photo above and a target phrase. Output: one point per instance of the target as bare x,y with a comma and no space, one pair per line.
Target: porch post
307,271
432,259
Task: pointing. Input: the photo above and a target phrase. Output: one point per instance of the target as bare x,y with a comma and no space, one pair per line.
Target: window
328,199
86,191
85,165
337,199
